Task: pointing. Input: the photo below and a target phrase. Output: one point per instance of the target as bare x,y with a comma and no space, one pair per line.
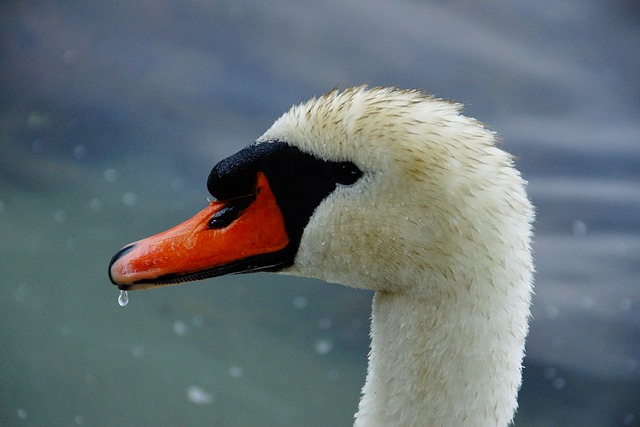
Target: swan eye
225,216
347,173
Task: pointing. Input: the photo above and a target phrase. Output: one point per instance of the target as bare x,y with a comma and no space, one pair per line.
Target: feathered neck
454,362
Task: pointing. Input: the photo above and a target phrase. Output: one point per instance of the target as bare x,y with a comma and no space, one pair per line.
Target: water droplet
550,372
110,175
197,321
59,216
628,419
180,328
199,396
579,228
22,413
137,352
333,374
558,383
300,302
236,371
323,347
95,204
129,199
79,152
123,298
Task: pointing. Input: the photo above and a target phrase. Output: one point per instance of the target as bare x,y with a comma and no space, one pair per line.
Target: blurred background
113,113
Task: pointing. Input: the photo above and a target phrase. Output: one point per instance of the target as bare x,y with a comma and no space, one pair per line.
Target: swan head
393,191
370,188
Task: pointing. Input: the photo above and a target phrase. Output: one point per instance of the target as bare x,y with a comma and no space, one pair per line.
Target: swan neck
436,365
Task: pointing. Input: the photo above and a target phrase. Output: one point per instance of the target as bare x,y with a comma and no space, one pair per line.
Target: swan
389,190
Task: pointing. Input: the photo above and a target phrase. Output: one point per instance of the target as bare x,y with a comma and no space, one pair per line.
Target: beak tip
114,277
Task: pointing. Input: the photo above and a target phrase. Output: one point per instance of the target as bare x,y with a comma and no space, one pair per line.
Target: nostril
230,212
116,257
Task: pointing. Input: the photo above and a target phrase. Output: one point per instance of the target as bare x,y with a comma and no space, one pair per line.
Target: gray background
113,113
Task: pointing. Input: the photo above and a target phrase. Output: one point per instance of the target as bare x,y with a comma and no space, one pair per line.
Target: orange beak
201,247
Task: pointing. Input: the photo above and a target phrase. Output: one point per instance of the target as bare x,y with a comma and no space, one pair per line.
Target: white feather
440,227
